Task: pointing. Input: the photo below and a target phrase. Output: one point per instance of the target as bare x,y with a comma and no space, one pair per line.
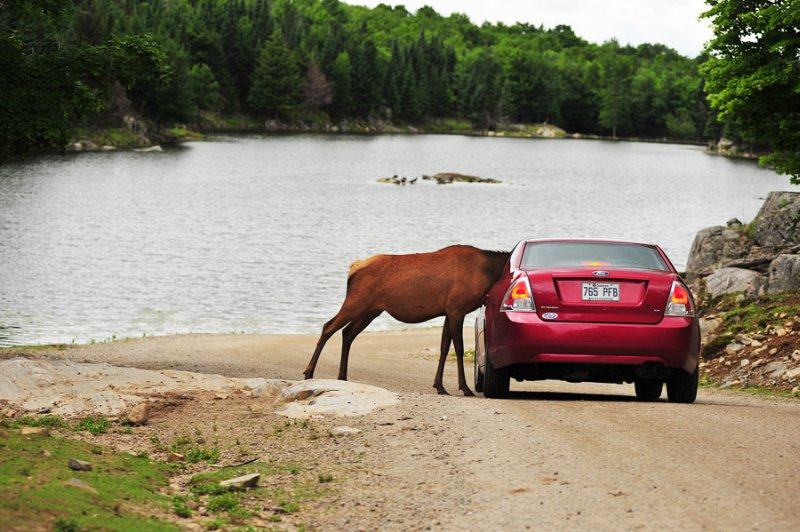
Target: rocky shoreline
747,282
132,132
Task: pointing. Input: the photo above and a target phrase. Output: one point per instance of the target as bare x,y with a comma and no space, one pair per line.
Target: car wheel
478,376
682,387
495,381
648,389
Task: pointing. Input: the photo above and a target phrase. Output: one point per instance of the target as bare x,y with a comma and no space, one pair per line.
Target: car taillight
519,296
679,302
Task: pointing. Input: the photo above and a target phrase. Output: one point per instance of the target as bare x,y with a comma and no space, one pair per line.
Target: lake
255,234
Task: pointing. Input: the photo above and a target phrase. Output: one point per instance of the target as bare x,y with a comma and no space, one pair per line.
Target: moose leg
457,332
353,329
328,330
445,348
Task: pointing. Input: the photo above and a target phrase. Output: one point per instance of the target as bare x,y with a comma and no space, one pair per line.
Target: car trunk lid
609,296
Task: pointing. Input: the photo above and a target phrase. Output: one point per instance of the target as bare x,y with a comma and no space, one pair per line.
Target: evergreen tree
203,87
365,77
343,104
481,80
62,61
277,84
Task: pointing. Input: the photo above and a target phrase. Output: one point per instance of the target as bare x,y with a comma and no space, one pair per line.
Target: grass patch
750,316
34,489
194,453
202,454
47,420
233,505
180,507
760,391
178,133
113,136
469,355
94,425
207,483
223,502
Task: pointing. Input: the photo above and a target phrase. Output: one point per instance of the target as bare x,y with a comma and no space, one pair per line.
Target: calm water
256,234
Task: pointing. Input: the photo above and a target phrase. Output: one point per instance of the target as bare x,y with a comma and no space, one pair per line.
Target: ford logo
600,273
549,315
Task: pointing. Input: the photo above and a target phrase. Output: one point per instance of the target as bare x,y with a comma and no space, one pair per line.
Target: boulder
712,246
79,465
139,414
333,397
784,274
735,224
708,328
151,149
777,224
734,280
240,483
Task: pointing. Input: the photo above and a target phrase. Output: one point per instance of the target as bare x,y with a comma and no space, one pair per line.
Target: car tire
496,382
478,376
682,387
648,389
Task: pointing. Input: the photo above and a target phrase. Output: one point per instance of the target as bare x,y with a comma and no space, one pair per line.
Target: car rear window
591,255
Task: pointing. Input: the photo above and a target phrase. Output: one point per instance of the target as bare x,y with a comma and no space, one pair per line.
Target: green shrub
95,425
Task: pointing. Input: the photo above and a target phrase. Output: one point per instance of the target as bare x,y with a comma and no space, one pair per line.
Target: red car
589,311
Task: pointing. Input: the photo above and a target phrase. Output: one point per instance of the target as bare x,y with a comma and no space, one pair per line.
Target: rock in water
151,149
445,178
79,465
243,482
784,274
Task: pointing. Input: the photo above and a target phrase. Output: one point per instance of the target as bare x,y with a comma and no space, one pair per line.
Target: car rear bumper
524,338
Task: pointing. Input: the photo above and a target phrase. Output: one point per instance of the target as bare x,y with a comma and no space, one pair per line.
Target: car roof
589,240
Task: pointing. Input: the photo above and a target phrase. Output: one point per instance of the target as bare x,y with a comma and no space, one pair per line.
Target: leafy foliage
68,63
753,74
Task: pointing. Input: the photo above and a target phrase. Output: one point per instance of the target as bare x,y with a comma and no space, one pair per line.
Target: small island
442,178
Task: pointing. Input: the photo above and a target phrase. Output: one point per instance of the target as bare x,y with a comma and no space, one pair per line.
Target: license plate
600,292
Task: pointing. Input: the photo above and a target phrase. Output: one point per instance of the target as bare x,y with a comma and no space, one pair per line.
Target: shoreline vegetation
112,138
106,75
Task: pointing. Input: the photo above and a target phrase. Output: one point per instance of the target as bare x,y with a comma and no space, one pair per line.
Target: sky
671,22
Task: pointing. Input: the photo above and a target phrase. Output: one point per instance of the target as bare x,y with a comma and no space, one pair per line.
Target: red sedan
589,311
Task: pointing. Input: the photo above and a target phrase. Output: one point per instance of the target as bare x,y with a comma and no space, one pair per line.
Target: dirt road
552,456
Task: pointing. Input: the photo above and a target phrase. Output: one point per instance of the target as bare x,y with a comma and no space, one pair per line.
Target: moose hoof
441,391
308,375
467,392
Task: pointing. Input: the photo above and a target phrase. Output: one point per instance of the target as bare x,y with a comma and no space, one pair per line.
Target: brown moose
414,288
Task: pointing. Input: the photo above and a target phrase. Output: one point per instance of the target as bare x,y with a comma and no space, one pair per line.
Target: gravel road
554,455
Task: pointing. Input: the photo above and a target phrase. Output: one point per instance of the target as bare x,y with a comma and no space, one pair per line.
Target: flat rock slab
68,388
333,397
243,482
